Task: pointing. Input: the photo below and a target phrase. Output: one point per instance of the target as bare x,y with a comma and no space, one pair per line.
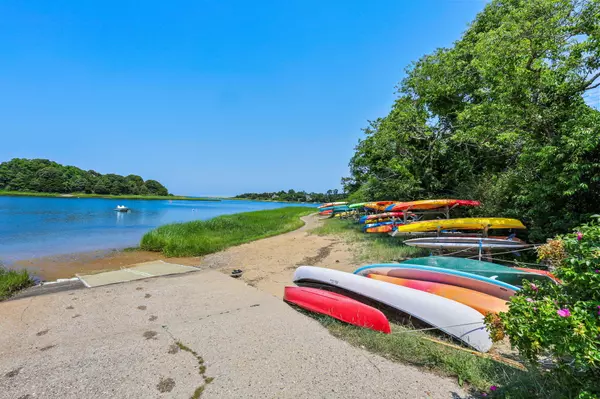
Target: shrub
562,321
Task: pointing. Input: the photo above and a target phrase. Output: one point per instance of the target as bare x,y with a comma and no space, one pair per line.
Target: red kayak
337,306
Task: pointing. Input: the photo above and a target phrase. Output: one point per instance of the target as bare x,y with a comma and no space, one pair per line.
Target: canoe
337,306
451,317
378,206
424,205
462,224
481,302
327,205
472,281
357,205
465,243
494,271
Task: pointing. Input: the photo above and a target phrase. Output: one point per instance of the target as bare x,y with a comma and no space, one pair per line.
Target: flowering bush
562,321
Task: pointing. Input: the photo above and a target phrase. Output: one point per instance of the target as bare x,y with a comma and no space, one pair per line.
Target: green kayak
492,270
357,205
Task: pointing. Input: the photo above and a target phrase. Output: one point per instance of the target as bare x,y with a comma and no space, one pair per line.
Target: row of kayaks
399,218
449,294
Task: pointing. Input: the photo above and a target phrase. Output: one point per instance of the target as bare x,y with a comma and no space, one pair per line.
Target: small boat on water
121,208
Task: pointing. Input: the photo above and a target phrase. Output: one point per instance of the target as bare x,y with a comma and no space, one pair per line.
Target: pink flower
493,388
484,394
579,235
529,300
597,271
564,312
535,309
534,287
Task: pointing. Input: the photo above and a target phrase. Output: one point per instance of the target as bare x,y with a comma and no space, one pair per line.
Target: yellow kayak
461,224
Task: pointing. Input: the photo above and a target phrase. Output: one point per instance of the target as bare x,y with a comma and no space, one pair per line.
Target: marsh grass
376,248
12,281
206,236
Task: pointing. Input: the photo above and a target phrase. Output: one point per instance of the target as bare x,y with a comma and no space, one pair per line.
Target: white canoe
453,318
465,243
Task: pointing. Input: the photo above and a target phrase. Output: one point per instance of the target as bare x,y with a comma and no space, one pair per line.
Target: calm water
33,227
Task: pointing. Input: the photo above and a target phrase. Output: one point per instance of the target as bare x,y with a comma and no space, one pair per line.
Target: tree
498,117
155,188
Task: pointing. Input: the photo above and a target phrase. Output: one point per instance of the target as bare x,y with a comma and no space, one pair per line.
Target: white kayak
465,243
453,318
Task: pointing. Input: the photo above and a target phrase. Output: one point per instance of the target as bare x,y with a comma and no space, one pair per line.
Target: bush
562,321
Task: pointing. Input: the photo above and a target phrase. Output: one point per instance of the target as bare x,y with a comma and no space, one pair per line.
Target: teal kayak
486,269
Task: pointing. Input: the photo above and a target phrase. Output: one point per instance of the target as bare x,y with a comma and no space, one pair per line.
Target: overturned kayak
424,205
483,303
330,204
466,243
494,271
472,281
337,306
451,317
462,224
378,216
378,206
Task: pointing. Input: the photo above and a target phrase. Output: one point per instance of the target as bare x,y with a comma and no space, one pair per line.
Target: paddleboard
481,302
465,243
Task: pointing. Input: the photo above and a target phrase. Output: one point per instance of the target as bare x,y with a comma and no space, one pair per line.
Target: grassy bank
477,373
12,281
203,237
107,196
374,248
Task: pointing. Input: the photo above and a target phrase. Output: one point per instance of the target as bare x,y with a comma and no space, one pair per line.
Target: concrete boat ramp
200,333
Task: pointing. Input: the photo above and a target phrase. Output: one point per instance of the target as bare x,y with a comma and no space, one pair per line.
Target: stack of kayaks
332,207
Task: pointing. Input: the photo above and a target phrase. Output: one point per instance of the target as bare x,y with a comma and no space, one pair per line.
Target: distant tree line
296,196
42,175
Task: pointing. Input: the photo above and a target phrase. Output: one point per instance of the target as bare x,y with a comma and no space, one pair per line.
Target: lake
32,227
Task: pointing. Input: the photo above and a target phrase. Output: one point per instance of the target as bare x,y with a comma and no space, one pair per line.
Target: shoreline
106,196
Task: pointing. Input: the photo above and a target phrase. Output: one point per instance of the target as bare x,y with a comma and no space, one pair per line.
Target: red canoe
337,306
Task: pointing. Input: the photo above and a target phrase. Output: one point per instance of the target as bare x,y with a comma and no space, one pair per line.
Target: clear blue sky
210,97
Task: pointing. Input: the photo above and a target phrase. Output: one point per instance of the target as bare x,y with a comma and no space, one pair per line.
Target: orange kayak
542,272
483,303
378,206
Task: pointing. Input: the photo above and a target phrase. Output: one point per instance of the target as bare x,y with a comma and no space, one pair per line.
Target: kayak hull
424,205
337,306
453,318
465,243
470,281
482,303
462,224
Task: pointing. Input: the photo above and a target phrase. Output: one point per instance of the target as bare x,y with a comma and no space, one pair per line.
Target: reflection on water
32,227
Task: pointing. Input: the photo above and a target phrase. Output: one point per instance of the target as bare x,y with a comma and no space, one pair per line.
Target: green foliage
12,281
295,196
563,321
206,236
44,176
498,117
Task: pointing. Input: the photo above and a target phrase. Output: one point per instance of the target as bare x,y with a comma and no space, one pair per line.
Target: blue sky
209,97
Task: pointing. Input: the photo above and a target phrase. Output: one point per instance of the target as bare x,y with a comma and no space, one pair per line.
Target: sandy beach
268,264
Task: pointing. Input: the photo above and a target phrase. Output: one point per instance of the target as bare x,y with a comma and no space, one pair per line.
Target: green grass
107,196
374,248
206,236
475,373
12,281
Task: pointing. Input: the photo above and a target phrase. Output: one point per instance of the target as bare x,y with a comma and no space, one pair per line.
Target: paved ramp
135,272
119,341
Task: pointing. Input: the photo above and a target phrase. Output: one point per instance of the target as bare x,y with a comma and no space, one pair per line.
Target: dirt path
269,264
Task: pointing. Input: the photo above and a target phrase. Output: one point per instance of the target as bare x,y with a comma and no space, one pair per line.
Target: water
32,227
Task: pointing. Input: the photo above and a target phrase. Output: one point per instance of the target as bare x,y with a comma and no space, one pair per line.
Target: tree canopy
42,175
499,117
